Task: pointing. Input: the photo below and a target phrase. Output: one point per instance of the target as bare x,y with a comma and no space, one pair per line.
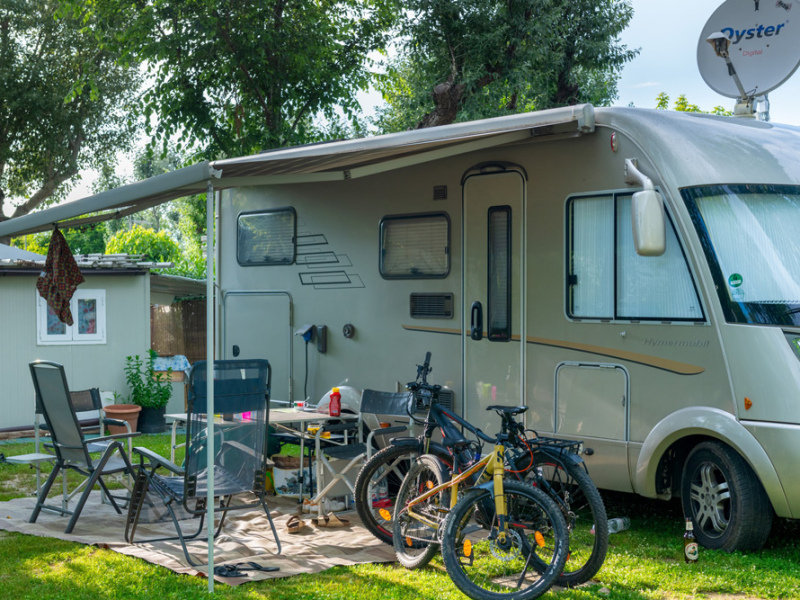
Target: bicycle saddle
509,410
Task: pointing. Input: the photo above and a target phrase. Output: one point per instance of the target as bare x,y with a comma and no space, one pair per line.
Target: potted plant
122,412
150,389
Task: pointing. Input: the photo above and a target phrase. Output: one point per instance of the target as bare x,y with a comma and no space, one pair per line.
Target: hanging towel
60,278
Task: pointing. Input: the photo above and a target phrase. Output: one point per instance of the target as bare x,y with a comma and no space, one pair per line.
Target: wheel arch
666,448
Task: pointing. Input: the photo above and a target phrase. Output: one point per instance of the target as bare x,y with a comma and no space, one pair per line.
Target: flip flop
238,570
295,524
332,520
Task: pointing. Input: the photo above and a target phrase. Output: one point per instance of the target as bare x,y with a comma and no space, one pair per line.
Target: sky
667,32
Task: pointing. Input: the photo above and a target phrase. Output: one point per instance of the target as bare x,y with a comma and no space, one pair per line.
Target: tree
481,58
683,105
65,104
153,246
89,239
233,78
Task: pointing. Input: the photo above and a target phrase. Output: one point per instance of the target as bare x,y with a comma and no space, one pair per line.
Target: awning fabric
330,161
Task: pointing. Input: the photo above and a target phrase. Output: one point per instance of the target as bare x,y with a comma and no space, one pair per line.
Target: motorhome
632,276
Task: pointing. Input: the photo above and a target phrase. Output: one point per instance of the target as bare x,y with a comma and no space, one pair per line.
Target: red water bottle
335,406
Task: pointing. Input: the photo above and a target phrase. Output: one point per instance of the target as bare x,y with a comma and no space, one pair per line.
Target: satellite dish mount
746,103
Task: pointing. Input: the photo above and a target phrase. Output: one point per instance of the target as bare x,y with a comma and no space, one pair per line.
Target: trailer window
415,246
267,237
608,280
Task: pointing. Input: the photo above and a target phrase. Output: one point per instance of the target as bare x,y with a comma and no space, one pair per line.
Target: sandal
238,570
295,524
331,520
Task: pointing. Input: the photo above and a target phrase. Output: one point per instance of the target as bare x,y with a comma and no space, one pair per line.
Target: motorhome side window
266,237
415,246
608,280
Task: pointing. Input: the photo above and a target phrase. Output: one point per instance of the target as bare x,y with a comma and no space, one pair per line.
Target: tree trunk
447,98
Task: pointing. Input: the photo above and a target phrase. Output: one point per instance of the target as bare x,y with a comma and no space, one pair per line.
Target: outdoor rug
246,537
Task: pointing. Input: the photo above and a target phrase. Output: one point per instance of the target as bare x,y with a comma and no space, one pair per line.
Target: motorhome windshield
751,238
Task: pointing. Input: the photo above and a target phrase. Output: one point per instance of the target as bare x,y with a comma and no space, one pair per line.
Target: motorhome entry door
493,282
257,325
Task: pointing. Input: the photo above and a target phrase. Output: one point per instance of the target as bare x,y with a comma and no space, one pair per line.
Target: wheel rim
710,499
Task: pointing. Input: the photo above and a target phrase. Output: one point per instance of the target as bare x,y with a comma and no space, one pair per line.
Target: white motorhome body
505,247
634,355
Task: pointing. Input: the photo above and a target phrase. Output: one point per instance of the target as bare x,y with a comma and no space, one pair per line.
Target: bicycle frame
490,467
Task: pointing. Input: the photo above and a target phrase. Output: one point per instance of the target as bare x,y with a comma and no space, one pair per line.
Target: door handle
476,321
235,350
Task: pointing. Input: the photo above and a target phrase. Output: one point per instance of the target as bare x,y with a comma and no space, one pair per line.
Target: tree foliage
86,240
152,245
683,105
480,58
241,76
64,104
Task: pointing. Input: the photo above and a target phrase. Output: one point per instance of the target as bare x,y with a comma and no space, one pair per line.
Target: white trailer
507,248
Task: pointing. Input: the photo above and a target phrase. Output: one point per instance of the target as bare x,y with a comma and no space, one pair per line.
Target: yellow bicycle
500,538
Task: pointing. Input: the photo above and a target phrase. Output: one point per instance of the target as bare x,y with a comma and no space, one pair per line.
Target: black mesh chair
241,400
72,449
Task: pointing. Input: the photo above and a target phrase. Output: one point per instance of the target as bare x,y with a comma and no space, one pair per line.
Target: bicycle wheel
377,485
575,493
522,567
415,542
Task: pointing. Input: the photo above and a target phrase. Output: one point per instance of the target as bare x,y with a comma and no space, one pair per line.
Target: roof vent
440,192
432,306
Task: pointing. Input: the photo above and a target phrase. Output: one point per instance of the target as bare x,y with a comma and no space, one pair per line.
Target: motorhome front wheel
725,500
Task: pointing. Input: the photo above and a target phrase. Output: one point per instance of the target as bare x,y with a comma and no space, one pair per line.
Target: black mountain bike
551,464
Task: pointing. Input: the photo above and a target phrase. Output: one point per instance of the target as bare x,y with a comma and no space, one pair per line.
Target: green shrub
149,388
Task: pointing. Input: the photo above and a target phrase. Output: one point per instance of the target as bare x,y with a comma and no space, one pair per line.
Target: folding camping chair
241,399
390,404
72,449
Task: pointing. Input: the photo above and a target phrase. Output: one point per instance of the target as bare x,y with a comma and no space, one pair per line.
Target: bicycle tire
415,543
391,463
537,528
585,514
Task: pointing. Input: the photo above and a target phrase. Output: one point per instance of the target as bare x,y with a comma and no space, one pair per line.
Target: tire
484,569
727,504
580,502
388,466
415,542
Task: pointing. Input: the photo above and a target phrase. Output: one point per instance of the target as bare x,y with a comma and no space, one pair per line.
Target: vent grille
432,306
440,192
447,399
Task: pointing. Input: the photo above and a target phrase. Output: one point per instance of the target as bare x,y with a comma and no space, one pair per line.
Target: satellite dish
764,45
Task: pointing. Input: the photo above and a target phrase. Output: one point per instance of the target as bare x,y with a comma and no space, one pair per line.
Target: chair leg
271,523
43,493
82,500
135,505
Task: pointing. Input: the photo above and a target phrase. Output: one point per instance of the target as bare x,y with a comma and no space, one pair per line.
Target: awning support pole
210,243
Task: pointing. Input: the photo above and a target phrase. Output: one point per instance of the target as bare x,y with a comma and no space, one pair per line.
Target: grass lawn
643,563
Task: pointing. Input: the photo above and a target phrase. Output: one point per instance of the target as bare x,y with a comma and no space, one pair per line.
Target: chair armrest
339,426
157,459
382,431
116,436
388,430
115,422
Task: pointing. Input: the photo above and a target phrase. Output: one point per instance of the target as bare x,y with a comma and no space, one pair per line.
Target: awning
330,161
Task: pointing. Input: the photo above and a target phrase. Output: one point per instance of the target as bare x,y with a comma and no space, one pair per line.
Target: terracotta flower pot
123,412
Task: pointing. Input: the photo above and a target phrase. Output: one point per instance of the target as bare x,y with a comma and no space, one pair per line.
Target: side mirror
649,226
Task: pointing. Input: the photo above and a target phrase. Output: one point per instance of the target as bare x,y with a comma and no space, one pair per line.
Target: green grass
643,563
